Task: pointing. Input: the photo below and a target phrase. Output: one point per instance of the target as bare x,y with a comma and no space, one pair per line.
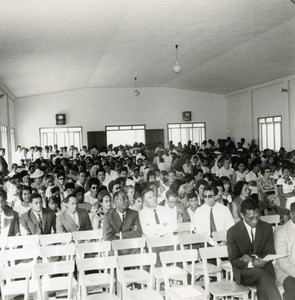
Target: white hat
38,173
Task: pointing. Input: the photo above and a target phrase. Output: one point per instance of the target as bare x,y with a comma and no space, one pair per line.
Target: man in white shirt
225,170
212,216
253,176
156,220
91,195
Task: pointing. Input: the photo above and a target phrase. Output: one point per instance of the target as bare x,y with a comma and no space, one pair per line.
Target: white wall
94,108
268,99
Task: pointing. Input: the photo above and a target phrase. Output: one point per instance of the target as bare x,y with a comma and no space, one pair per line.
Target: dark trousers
264,280
289,287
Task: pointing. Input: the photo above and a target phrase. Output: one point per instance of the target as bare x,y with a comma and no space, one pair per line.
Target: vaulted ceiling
226,45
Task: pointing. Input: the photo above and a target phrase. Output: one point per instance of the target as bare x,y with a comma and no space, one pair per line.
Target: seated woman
241,192
24,204
240,173
286,188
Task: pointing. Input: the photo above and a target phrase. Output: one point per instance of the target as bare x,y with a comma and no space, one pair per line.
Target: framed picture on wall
187,116
60,119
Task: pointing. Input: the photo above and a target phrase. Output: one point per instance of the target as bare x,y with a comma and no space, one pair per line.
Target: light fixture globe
136,92
177,67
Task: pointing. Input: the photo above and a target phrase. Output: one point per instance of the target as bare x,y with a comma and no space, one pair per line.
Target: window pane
125,127
261,120
61,130
173,125
112,128
138,127
75,129
277,136
278,119
264,136
269,120
270,136
186,126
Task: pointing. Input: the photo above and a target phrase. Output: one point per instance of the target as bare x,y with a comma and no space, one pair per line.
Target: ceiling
226,45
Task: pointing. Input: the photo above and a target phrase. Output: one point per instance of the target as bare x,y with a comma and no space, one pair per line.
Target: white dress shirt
150,228
222,218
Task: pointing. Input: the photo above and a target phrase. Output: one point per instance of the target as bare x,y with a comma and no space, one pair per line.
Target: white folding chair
22,241
185,291
50,252
105,278
130,246
87,235
56,238
186,227
199,239
220,288
98,249
160,243
138,260
11,287
271,219
220,236
52,284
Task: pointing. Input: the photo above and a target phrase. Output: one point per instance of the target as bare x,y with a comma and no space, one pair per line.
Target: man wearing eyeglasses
248,242
212,216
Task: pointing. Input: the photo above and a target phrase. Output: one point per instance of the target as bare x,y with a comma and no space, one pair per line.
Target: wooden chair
11,287
188,240
220,236
220,289
105,278
138,260
58,283
57,251
22,241
127,246
185,291
98,249
186,227
271,219
87,235
56,238
160,243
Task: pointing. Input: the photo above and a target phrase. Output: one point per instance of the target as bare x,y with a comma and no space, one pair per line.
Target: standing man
285,244
37,220
121,222
73,218
248,242
9,222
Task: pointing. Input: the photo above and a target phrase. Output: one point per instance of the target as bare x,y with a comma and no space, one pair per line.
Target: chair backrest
100,248
128,244
100,263
271,219
10,256
82,236
190,239
136,260
212,253
68,251
155,242
16,272
186,227
219,236
24,241
56,238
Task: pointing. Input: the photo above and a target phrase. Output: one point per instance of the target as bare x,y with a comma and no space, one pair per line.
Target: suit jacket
29,223
285,243
11,223
65,223
112,224
239,243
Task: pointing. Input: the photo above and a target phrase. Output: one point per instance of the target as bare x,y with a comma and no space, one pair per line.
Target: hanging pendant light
177,67
136,92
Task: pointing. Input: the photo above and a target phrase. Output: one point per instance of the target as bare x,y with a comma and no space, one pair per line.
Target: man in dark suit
73,218
249,241
37,220
121,222
9,222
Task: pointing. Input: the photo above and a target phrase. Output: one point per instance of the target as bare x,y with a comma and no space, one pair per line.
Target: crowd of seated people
133,191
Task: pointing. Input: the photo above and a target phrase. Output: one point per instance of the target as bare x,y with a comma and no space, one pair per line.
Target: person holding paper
285,244
248,241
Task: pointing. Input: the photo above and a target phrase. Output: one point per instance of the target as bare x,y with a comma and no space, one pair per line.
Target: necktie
40,223
252,239
123,218
212,223
156,217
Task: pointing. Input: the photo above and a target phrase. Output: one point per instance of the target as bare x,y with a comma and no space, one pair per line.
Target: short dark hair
3,194
292,208
249,204
211,188
24,188
238,187
94,181
116,194
170,193
67,198
100,170
35,196
191,195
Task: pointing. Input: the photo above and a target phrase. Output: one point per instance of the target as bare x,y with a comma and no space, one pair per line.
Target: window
62,136
4,140
125,134
183,132
12,139
270,133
